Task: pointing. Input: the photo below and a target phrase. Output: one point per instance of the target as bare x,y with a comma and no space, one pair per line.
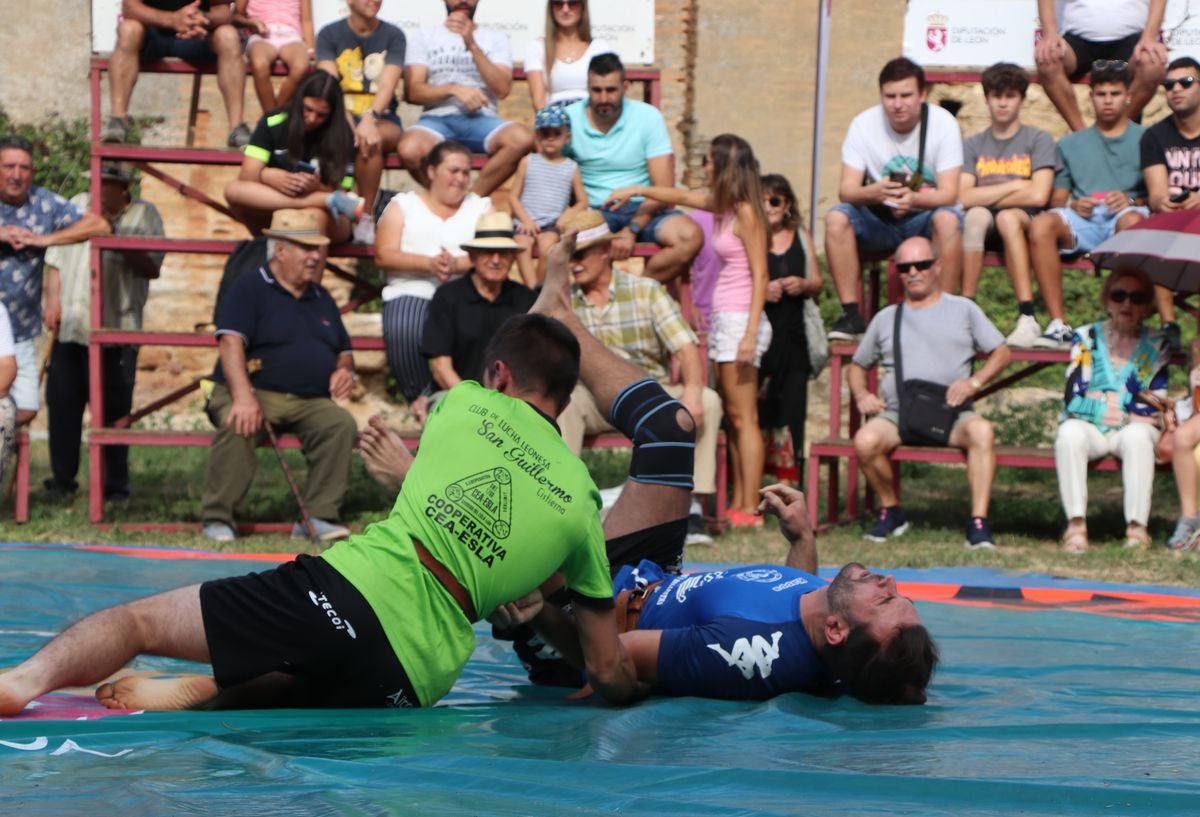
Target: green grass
1026,518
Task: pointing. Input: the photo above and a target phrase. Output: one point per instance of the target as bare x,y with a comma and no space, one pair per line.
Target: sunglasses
566,3
1138,298
1182,82
775,201
1109,65
905,267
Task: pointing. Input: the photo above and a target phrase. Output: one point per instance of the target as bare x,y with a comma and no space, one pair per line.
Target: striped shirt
125,291
641,322
547,189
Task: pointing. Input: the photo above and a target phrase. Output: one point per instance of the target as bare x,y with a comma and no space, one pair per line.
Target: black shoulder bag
925,417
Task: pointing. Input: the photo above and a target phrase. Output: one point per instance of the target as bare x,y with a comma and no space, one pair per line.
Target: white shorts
25,388
277,37
728,329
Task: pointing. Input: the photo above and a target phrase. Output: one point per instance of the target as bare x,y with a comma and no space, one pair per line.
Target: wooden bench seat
830,450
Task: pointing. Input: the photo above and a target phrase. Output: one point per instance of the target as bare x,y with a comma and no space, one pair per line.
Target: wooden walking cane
305,516
254,366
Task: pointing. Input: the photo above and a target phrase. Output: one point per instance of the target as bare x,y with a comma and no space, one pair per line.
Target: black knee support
663,450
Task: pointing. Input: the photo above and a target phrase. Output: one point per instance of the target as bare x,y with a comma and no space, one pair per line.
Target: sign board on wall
977,33
627,24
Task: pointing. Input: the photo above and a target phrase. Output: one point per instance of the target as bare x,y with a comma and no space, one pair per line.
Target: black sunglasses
571,3
775,201
1182,82
1109,65
905,267
1138,298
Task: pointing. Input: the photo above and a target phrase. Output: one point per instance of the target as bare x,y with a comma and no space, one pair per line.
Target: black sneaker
891,522
55,491
979,535
697,533
1174,336
847,327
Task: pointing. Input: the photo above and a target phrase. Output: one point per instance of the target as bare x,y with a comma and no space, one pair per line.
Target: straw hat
297,226
493,231
592,227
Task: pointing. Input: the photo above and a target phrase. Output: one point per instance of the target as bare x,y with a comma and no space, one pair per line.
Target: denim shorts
880,235
619,219
1090,233
473,130
161,43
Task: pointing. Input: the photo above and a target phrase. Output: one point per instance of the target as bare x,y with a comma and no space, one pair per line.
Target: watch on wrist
975,384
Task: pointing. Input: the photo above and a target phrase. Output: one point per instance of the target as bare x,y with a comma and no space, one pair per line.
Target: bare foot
384,454
13,697
555,297
140,692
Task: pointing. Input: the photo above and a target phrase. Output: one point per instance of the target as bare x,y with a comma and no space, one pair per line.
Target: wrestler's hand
516,613
790,506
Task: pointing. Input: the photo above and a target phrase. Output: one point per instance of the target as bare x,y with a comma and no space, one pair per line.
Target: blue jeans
875,234
620,218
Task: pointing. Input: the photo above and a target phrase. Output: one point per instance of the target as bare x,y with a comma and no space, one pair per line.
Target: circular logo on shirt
764,575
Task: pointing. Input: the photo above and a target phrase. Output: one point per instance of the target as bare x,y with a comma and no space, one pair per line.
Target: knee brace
663,450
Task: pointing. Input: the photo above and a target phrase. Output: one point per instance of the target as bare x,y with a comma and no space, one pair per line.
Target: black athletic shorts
661,544
1087,52
306,620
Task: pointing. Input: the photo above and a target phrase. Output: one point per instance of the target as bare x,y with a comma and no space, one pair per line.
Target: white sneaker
1057,336
1026,334
364,231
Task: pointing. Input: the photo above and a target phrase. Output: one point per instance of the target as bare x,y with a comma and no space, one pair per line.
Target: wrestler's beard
841,590
467,7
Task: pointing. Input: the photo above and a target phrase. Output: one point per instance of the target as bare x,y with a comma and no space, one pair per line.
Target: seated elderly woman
1115,404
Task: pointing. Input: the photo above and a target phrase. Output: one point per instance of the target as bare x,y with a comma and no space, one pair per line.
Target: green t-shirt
496,497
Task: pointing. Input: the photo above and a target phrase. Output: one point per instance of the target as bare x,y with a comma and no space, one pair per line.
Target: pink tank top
276,12
734,282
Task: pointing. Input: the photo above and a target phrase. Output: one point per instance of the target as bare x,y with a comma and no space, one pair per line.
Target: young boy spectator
367,55
1098,191
1008,172
885,196
544,185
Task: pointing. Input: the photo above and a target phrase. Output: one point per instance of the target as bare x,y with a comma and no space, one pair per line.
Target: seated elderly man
466,311
939,336
282,319
198,31
637,320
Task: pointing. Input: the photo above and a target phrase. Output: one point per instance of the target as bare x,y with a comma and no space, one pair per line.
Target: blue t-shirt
735,634
617,158
43,212
298,340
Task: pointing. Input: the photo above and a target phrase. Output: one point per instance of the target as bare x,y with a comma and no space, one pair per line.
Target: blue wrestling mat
1054,698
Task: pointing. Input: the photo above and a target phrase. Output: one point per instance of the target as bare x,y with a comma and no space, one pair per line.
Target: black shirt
461,322
298,340
1163,144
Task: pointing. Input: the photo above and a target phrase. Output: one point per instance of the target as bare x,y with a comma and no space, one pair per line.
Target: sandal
1075,541
741,519
1136,537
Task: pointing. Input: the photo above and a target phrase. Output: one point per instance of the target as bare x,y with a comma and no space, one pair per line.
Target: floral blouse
1102,395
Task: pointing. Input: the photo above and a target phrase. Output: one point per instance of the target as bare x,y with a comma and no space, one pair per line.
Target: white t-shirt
428,234
568,80
873,146
1102,21
7,347
449,62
